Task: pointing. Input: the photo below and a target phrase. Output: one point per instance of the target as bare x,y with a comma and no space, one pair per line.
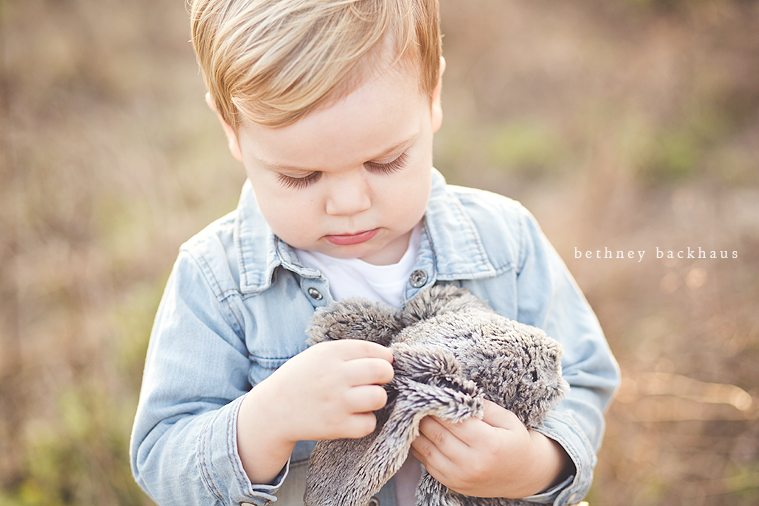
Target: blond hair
274,61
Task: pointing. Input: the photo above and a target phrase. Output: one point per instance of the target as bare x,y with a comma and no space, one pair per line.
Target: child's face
350,180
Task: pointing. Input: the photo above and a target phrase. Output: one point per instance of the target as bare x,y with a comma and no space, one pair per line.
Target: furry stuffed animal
450,350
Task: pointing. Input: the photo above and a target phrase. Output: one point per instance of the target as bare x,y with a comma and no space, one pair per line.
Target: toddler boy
331,106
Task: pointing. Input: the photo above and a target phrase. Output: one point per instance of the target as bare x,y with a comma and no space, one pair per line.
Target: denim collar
455,243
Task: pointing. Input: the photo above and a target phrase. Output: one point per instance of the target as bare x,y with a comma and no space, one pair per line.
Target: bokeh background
630,125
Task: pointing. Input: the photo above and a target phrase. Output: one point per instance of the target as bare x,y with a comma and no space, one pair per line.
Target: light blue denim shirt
238,301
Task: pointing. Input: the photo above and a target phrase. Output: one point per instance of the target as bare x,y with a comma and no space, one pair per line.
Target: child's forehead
381,117
400,72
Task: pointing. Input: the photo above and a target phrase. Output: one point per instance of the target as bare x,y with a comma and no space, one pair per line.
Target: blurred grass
631,124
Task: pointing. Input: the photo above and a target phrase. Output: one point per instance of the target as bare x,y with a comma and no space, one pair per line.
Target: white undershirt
352,277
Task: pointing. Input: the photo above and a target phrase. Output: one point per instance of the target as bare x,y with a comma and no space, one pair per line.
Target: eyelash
299,183
389,167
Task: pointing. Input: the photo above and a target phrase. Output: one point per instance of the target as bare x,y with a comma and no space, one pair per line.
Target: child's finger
350,349
425,450
358,425
365,398
497,416
368,371
467,431
442,437
436,463
475,432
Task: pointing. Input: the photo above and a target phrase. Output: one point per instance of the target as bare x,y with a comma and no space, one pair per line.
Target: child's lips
351,239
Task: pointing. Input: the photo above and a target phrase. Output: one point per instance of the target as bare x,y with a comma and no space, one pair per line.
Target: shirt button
418,279
373,502
315,294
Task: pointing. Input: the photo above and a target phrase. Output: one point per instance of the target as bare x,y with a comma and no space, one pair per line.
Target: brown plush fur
450,351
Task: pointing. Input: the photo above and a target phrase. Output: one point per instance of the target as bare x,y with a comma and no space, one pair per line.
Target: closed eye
390,167
298,182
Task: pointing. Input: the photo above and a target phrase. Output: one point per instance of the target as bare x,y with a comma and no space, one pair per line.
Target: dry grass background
623,124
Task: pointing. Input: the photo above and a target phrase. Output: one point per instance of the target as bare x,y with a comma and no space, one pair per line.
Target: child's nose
349,195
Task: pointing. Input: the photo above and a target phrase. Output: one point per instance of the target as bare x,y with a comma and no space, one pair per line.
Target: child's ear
437,108
234,144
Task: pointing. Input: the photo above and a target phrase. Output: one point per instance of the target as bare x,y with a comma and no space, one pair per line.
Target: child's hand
330,390
493,457
327,392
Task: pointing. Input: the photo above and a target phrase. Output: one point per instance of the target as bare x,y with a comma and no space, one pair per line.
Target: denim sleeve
184,439
550,299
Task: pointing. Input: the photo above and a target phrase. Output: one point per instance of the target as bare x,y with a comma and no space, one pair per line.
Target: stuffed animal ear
440,299
355,318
